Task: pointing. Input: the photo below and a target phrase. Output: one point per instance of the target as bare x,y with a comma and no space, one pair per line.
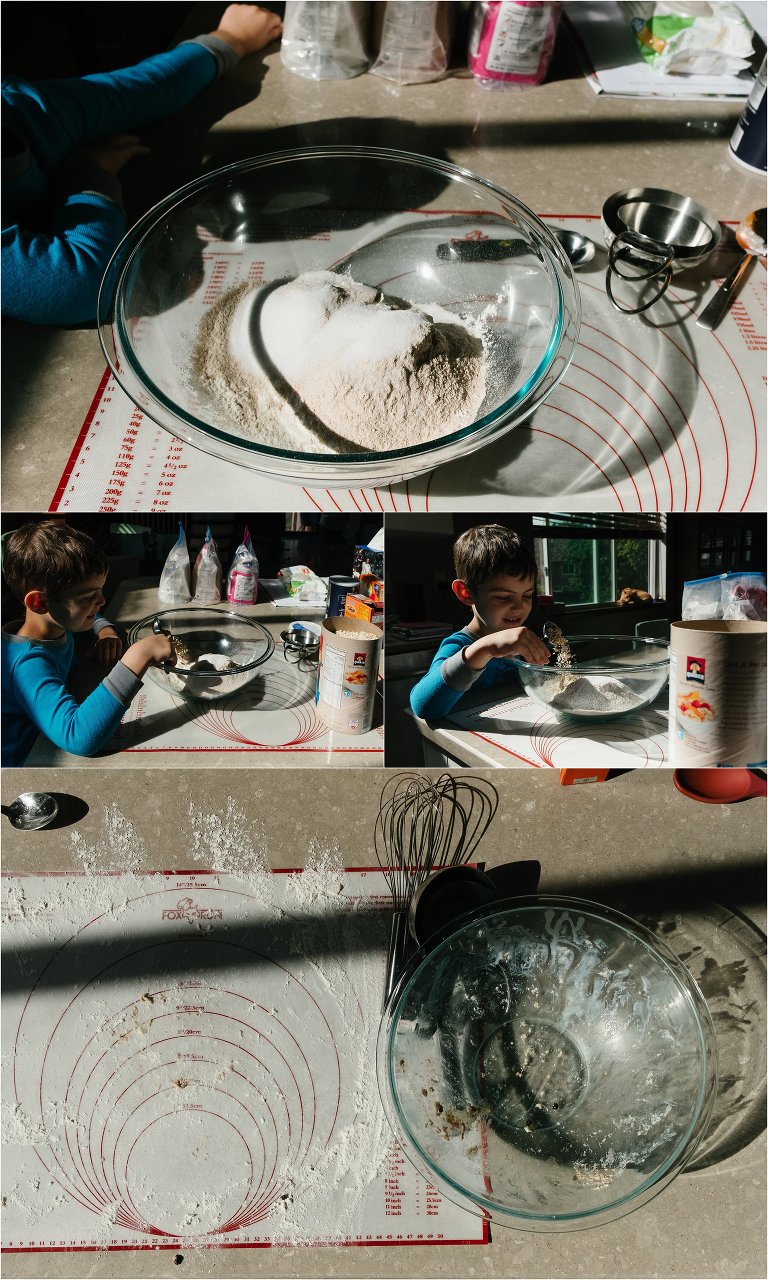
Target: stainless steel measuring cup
650,233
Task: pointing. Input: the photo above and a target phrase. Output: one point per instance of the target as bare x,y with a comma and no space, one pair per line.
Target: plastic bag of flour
743,595
511,42
175,579
413,40
243,576
326,39
206,579
733,596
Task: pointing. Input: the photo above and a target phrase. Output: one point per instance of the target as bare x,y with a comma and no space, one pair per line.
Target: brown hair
50,557
489,550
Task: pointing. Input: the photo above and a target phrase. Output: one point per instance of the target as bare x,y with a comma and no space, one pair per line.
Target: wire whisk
422,826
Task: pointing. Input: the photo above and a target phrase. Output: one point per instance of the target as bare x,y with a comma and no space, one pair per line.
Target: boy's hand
246,28
107,648
515,642
112,154
151,651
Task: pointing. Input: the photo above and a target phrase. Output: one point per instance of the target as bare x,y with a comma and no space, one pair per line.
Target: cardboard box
365,609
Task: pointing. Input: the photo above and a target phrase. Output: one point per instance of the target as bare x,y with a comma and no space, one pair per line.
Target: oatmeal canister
717,691
347,674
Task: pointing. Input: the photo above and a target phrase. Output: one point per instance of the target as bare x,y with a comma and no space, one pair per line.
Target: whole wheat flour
597,694
324,364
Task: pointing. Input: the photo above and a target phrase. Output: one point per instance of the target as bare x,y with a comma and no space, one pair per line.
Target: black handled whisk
421,827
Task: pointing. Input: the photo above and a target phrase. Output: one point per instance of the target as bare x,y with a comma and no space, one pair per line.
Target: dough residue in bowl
324,364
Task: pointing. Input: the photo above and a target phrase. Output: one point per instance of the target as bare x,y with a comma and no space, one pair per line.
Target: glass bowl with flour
599,677
347,315
218,652
547,1062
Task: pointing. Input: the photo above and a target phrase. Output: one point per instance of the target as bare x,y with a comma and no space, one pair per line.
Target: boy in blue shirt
496,579
59,573
62,211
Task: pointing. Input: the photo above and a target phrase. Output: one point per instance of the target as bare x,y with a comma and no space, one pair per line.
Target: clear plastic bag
326,39
176,577
743,596
414,42
301,582
736,596
206,579
243,576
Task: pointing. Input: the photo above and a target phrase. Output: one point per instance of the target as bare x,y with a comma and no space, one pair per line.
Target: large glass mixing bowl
220,651
611,677
549,1063
416,228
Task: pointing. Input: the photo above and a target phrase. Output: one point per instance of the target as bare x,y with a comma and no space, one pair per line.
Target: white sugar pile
324,364
595,694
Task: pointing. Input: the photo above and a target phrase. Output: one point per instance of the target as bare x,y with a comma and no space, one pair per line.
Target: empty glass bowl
224,649
611,677
549,1064
416,228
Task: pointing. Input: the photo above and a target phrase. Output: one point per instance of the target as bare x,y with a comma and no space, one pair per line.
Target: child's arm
514,642
447,680
457,666
53,276
82,728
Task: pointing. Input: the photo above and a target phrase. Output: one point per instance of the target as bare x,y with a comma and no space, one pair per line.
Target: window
588,560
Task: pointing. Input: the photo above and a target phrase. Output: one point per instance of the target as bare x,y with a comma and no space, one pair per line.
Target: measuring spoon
31,811
751,235
578,249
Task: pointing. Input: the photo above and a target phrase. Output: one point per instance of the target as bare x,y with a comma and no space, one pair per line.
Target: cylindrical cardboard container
717,687
348,670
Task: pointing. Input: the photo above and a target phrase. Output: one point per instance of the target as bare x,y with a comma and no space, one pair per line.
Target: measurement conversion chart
653,414
190,1061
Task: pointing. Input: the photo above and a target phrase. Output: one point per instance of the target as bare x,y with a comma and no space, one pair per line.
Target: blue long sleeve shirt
35,698
62,224
449,678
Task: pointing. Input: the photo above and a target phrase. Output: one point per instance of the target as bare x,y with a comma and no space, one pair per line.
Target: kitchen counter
135,599
559,148
529,735
632,839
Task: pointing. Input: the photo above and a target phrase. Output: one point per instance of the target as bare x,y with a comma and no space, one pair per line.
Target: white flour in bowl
596,694
324,364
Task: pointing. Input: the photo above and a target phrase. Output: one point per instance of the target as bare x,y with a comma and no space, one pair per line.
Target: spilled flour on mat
323,943
324,364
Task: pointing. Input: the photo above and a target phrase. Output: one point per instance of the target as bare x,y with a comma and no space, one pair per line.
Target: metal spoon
751,235
31,810
578,248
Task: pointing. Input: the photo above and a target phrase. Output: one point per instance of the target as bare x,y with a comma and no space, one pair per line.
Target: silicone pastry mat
275,712
652,415
537,737
190,1063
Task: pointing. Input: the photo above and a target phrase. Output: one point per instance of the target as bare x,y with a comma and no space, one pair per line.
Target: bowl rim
124,256
185,672
657,664
705,1094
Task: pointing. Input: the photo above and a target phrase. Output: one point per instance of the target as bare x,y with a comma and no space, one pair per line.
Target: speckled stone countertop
559,148
629,840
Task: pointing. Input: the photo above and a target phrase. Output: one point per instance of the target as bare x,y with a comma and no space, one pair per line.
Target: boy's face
500,603
74,610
